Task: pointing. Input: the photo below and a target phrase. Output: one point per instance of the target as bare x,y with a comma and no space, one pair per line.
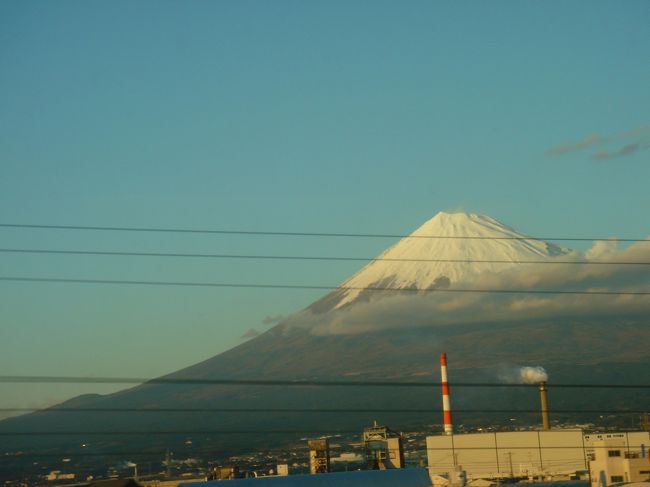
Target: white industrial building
549,454
508,454
614,460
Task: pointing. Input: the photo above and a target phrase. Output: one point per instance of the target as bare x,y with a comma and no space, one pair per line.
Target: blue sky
363,116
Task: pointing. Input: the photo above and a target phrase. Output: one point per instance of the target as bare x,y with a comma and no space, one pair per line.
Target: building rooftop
406,477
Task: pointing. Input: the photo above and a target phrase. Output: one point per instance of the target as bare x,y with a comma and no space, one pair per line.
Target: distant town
363,452
456,456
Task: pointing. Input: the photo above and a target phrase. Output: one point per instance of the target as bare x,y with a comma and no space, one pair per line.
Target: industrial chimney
446,403
543,394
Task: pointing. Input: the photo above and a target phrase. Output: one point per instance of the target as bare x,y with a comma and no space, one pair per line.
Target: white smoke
532,375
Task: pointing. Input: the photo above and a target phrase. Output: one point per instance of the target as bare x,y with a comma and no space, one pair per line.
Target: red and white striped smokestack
446,403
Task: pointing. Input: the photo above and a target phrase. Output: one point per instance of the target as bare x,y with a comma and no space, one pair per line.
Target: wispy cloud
634,132
641,133
626,150
273,319
251,333
575,146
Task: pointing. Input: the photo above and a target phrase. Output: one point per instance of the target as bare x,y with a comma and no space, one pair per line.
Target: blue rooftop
406,477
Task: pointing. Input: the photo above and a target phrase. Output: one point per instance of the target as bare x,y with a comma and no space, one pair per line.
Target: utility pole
512,473
645,421
168,462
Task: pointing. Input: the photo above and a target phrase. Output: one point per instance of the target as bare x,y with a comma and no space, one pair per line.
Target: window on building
616,478
614,453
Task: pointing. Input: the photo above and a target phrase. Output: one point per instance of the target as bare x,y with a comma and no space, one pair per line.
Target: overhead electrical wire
302,234
317,287
136,454
120,453
69,454
174,432
314,258
245,432
277,431
192,450
293,382
310,410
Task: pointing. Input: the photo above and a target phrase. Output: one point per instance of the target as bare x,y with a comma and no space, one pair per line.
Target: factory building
509,454
383,448
545,453
613,461
319,456
553,453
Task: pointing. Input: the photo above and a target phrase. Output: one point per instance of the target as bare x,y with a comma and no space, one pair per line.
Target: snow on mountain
394,269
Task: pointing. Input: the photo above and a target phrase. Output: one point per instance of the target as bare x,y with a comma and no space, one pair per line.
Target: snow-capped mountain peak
445,239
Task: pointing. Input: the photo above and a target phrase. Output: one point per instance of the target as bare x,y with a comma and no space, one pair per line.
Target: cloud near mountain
641,133
575,146
623,151
251,333
273,319
408,309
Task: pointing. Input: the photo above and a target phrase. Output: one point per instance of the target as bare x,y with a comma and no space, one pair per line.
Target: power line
254,432
315,287
18,456
312,410
175,432
111,453
300,234
312,258
289,382
124,453
529,447
281,432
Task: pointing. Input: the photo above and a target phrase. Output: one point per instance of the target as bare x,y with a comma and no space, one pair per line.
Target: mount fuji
360,335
